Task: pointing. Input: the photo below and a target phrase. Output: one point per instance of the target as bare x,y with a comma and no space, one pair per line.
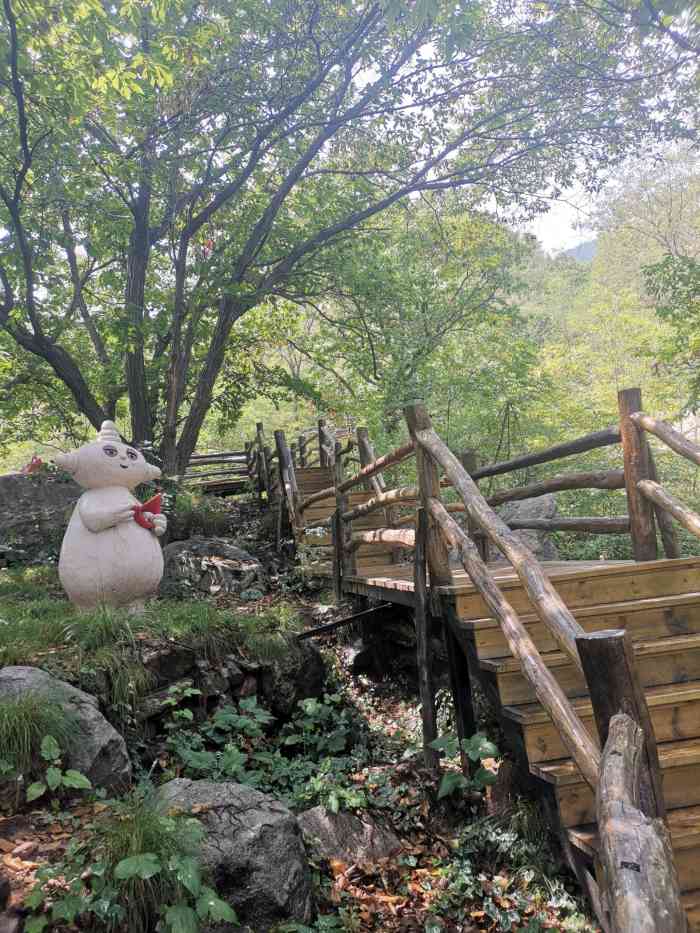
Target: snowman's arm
97,518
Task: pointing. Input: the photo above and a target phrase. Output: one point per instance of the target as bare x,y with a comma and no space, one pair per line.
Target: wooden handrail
668,434
600,479
636,855
679,510
579,742
546,601
591,524
381,501
604,438
317,496
381,463
392,537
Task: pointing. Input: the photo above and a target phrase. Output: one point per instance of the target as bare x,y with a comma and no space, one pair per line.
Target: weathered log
339,623
209,473
390,459
636,456
317,496
381,501
679,510
301,446
614,685
580,744
324,456
639,880
203,459
598,526
367,456
449,507
429,485
604,438
669,537
424,658
602,479
541,593
349,563
337,533
668,434
392,537
288,478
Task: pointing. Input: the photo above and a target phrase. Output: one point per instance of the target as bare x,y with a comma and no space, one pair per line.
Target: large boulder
539,542
211,565
34,513
253,849
346,837
96,750
298,674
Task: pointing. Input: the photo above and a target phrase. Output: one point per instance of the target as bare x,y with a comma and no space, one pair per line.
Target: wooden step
643,618
591,583
691,902
680,767
674,708
684,825
662,661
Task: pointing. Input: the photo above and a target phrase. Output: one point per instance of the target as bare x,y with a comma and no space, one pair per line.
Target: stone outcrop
297,675
346,837
211,565
539,542
96,750
34,513
253,849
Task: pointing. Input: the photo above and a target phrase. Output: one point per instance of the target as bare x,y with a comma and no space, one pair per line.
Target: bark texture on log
679,510
672,438
639,882
424,658
580,744
592,524
392,537
600,479
541,593
317,496
382,500
604,438
669,536
395,456
636,455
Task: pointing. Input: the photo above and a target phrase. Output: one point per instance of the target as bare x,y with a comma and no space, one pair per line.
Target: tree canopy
171,166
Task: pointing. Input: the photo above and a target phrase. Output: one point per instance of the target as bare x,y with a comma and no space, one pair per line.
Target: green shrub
24,722
137,872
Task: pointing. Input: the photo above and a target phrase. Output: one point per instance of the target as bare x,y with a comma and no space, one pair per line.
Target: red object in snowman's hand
153,505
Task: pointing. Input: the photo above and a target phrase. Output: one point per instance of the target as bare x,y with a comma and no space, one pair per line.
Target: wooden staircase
659,604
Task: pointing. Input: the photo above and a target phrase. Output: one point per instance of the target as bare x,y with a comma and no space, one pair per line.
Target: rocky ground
302,764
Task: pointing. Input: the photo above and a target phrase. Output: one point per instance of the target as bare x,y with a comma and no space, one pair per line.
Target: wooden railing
629,763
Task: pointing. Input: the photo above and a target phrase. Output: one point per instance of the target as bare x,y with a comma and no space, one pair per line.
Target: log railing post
667,529
348,556
468,460
614,686
288,478
294,454
636,458
302,450
375,483
424,655
323,458
337,539
429,487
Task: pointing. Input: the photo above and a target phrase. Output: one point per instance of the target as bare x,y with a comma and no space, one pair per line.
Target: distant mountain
584,252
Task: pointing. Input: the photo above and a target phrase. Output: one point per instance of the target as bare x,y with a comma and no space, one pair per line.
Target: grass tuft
24,721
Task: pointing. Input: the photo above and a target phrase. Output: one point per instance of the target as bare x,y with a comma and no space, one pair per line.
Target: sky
558,229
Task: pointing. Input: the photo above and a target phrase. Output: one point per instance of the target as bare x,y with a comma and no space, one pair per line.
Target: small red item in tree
153,505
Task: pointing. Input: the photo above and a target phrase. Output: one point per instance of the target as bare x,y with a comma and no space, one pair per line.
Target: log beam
619,525
636,455
601,479
668,434
659,496
392,537
381,463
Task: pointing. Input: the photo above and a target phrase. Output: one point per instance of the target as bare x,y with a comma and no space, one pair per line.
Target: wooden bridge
560,648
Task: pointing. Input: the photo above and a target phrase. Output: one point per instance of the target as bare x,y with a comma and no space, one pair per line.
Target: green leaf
181,919
187,872
76,779
451,781
447,744
50,749
143,866
211,906
35,924
53,778
333,802
483,777
35,790
478,746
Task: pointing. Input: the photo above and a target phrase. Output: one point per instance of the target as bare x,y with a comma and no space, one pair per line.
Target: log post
375,483
424,655
302,450
288,478
636,458
323,458
348,556
669,538
438,556
468,461
613,683
294,453
337,537
639,882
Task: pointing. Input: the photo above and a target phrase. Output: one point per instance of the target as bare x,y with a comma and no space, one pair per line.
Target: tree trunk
134,297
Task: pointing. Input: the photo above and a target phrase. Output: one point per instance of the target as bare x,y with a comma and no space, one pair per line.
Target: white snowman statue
110,555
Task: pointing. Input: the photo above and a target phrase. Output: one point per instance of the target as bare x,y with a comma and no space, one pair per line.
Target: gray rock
34,512
234,672
253,849
539,542
297,675
98,751
210,565
167,662
346,837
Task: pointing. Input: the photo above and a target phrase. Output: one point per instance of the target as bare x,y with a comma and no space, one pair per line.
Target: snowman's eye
132,455
110,451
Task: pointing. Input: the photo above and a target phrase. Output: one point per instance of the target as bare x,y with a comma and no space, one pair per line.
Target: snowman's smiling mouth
124,466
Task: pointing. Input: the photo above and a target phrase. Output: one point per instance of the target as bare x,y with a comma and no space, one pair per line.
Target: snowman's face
111,463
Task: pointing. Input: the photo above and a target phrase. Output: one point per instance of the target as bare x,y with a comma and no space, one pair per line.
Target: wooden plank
636,456
615,687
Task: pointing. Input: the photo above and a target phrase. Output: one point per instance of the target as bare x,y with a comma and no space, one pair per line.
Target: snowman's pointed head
107,462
